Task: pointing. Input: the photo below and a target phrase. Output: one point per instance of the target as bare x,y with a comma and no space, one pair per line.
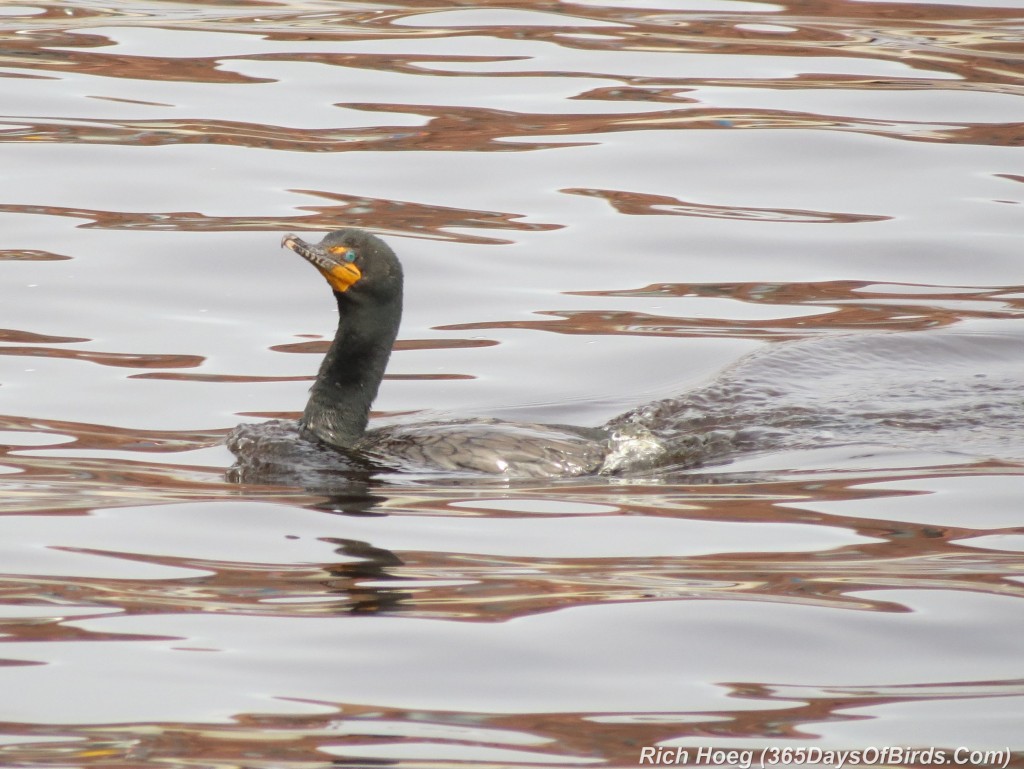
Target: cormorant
366,279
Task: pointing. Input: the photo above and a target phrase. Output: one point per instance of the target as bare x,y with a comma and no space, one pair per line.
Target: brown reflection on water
31,337
474,129
319,347
762,709
25,51
497,588
607,739
375,214
109,437
641,204
116,359
847,305
969,44
975,43
978,47
61,485
478,129
253,379
909,555
30,255
55,484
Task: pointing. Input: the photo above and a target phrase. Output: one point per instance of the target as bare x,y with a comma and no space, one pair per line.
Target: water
799,225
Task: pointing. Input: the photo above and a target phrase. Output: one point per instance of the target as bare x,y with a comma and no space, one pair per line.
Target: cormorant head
355,263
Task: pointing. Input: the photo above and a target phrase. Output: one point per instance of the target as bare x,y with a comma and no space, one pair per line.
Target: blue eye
349,256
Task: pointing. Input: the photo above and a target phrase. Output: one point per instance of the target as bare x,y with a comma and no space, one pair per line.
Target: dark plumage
369,313
366,278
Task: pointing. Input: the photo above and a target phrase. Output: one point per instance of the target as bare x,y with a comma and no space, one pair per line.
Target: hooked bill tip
288,240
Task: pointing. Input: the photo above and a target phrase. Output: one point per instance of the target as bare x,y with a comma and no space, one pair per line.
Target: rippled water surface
789,234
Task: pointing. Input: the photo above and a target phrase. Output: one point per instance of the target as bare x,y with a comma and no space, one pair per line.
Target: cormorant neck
340,399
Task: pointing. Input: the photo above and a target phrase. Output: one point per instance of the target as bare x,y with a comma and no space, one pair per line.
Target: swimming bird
833,391
366,279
